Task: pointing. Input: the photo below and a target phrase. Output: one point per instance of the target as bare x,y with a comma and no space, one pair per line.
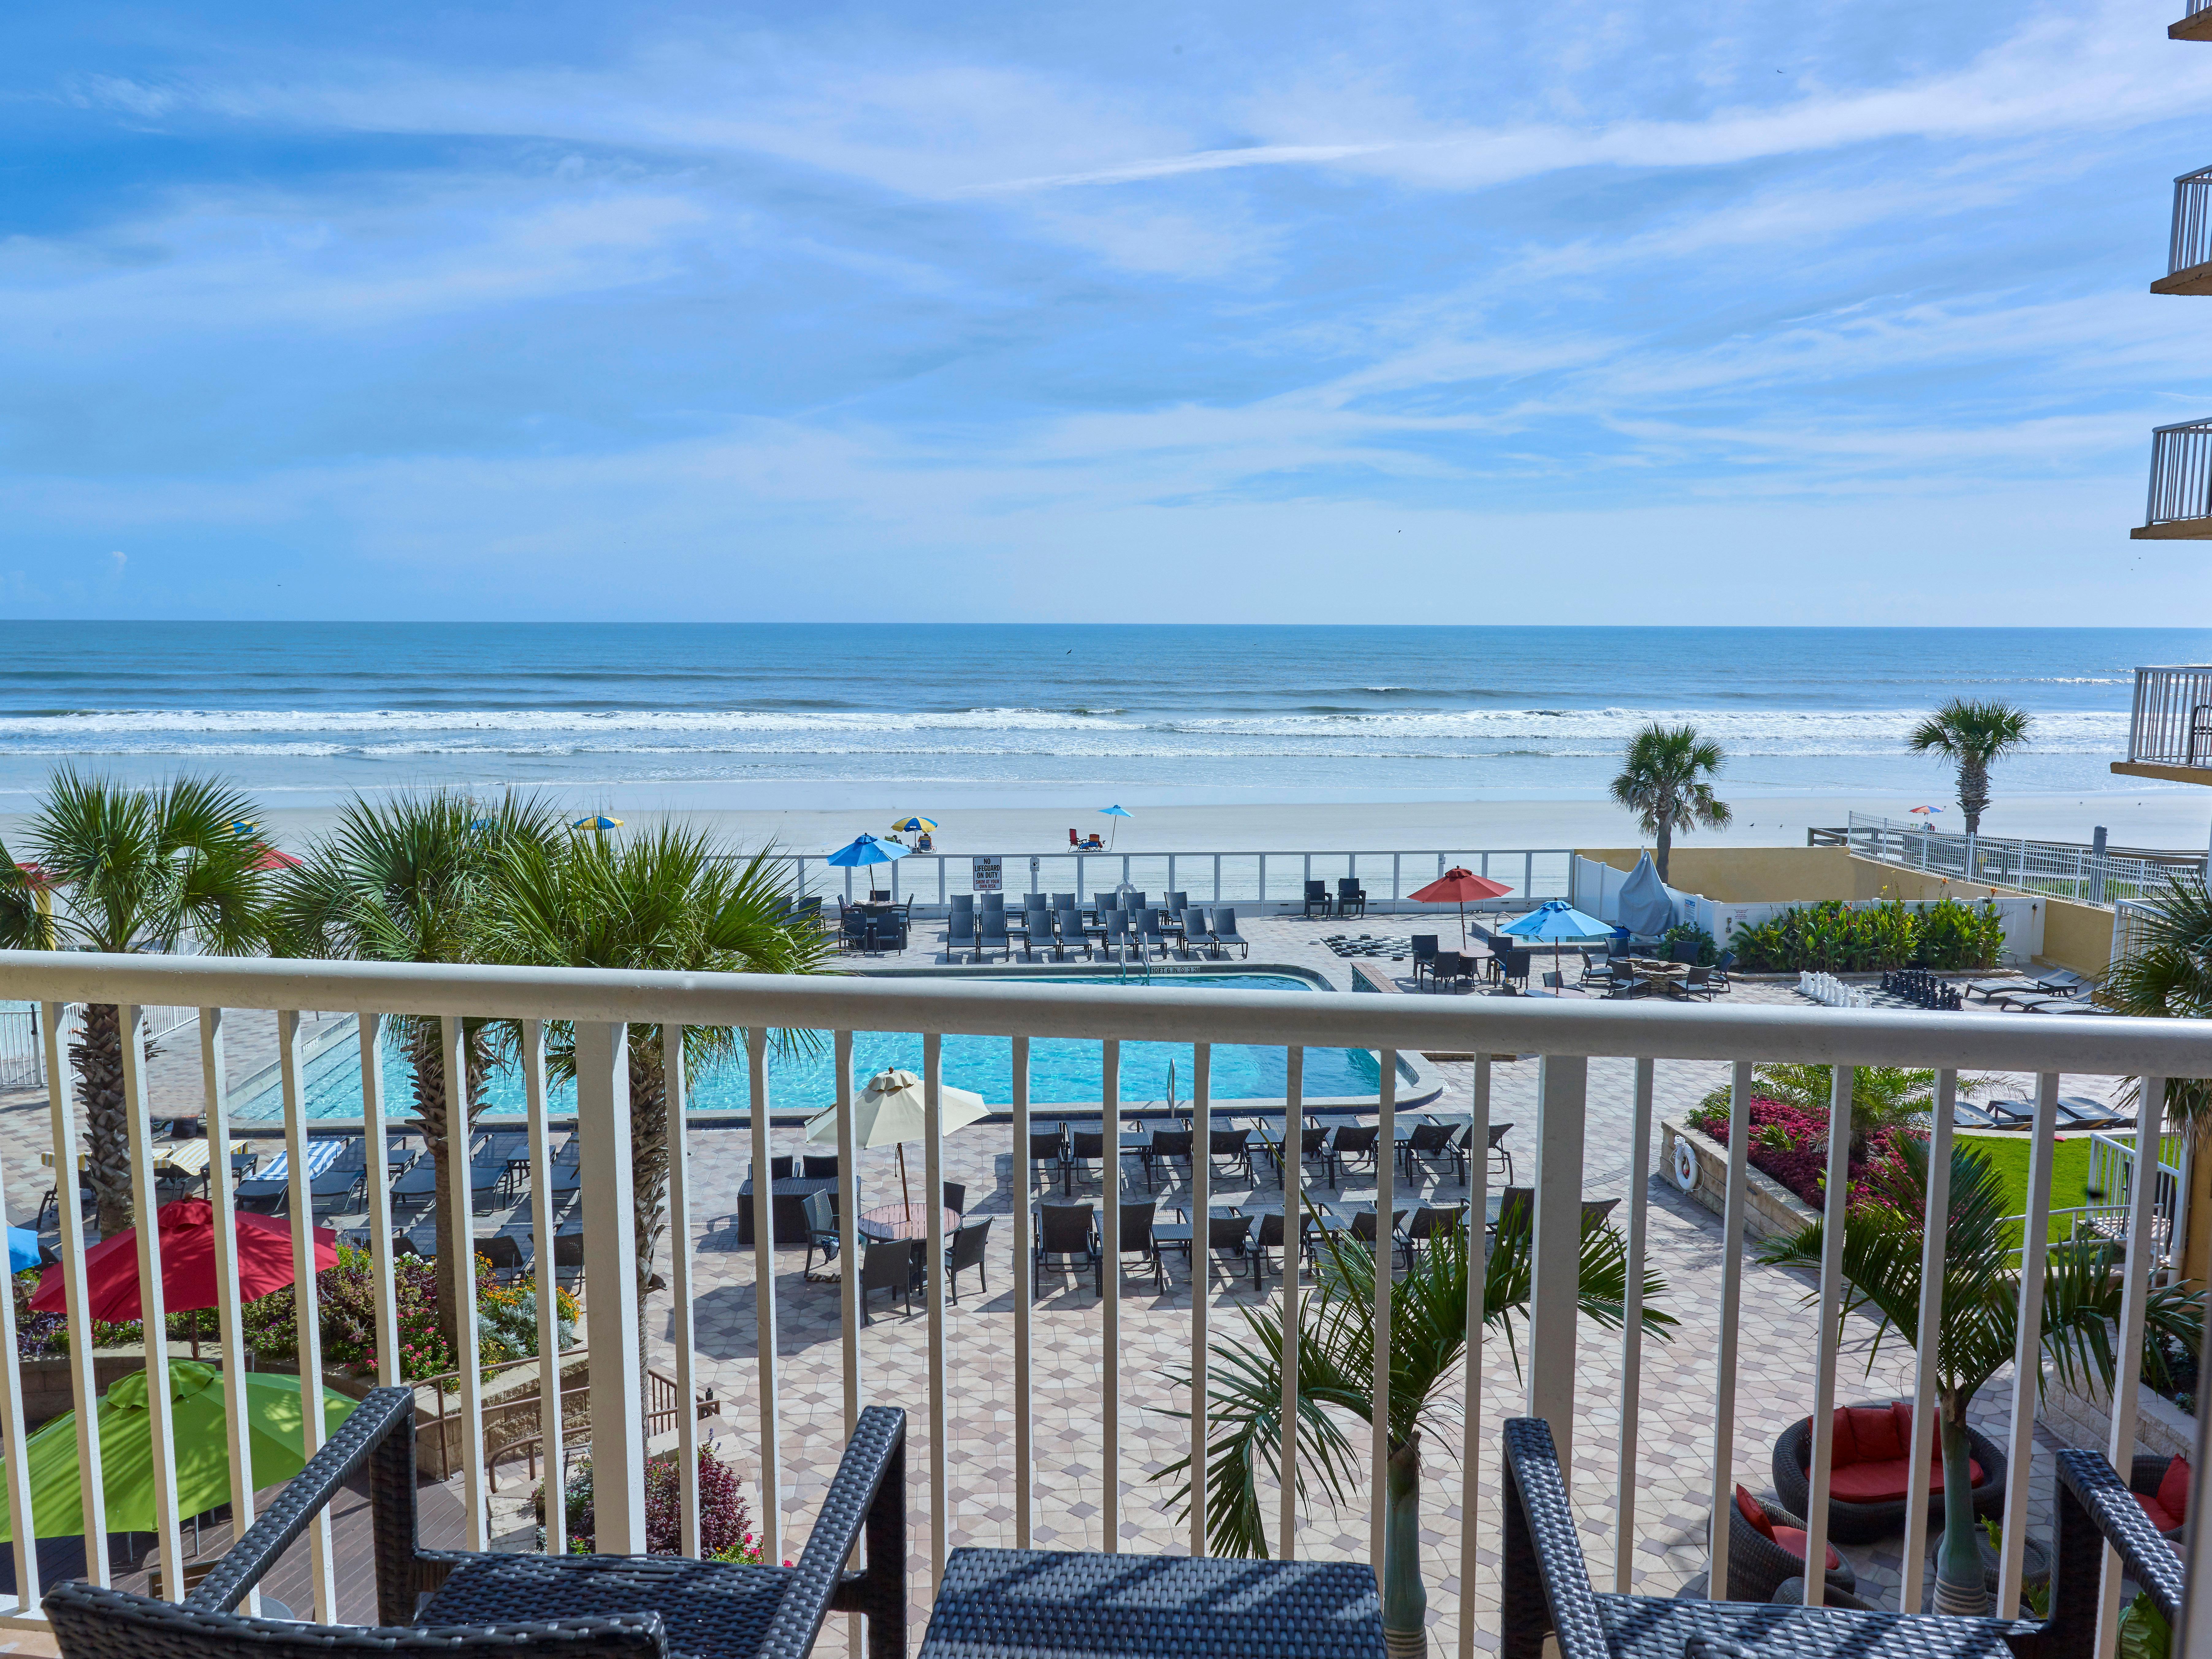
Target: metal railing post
1202,1276
145,1198
1109,1273
1024,1291
1631,1329
610,1307
1555,1283
84,1389
550,1425
1294,1170
230,1325
459,1199
2027,1355
1732,1223
1937,1222
2142,1261
1470,1450
1829,1340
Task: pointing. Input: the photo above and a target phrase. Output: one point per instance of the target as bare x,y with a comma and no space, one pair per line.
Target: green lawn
2008,1151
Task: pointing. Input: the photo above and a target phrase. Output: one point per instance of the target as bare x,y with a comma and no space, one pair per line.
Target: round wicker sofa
1852,1522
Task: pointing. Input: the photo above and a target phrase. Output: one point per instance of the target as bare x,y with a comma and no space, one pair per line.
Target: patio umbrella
22,1249
889,1113
1458,885
1115,812
597,821
1559,921
914,826
270,858
865,850
275,1423
188,1237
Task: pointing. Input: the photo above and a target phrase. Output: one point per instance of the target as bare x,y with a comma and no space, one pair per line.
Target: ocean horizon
1355,712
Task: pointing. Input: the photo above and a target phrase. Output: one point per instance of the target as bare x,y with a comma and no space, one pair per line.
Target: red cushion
2173,1490
1792,1540
1757,1516
1865,1434
1886,1482
2160,1517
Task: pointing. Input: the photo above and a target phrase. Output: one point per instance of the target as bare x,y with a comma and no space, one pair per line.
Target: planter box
2084,1418
1771,1211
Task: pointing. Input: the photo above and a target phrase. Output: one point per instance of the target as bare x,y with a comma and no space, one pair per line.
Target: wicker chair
1545,1589
577,1607
1862,1523
1758,1563
2147,1478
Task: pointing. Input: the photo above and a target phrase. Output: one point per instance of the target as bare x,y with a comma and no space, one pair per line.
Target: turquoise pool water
1060,1070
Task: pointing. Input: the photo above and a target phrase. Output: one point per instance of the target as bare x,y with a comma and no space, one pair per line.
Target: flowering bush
1790,1144
725,1519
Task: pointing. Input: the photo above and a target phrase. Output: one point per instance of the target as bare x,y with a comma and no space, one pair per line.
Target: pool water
804,1078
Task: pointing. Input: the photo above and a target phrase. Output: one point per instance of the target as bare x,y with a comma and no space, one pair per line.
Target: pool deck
1673,1476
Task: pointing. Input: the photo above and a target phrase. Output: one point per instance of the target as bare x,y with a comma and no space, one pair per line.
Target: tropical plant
1882,1097
409,879
1663,781
1881,1262
1974,735
2165,972
1833,936
1688,932
141,869
1336,1374
675,900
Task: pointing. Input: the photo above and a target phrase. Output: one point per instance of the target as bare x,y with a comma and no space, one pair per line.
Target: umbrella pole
905,1201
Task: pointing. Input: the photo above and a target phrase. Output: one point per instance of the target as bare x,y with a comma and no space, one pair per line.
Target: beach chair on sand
1226,933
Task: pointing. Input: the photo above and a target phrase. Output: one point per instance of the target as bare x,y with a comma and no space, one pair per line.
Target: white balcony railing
1566,1034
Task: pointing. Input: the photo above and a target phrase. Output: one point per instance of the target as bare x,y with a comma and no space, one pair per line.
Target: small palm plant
1975,735
409,879
673,901
141,869
1336,1375
1882,1243
2165,972
1665,780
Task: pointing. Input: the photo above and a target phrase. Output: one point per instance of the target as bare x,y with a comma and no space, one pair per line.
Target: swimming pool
1062,1070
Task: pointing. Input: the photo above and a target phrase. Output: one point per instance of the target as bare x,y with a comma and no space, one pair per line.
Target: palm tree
26,906
1336,1372
1882,1243
2166,973
675,900
141,869
1973,734
1663,781
409,879
1882,1097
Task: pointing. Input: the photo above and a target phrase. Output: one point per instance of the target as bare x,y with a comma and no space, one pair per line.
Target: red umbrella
1459,886
270,858
187,1235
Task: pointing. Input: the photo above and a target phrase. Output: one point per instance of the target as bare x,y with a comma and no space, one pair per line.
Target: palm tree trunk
1665,845
1405,1599
426,1055
1973,793
1959,1587
648,1154
97,1058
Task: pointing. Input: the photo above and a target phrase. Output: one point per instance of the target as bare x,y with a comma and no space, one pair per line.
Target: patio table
1043,1604
895,1221
787,1203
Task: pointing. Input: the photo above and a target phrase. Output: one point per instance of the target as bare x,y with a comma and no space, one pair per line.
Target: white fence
961,1431
2061,869
1262,882
2110,1187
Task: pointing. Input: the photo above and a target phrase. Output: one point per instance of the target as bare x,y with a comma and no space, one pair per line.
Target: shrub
1831,936
725,1518
1688,932
1789,1142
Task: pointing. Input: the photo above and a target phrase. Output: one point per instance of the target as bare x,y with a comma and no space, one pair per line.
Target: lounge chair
2066,983
1317,893
1349,892
1174,903
1150,934
991,935
1068,934
1132,902
1136,1238
1235,1145
1430,1140
1196,936
1036,929
1990,989
1351,1142
1048,1147
1425,1224
1501,1156
1168,1145
960,935
1064,901
1117,938
1226,933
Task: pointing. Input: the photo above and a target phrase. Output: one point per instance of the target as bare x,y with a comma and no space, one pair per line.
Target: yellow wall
2076,936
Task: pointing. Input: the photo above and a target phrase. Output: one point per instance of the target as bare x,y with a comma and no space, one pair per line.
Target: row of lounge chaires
1118,923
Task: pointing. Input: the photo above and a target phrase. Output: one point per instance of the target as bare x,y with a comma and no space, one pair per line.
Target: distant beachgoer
925,844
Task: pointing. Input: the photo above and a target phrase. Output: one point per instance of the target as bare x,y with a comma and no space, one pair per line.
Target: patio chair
568,1259
960,935
1720,974
821,1230
1236,1145
956,1197
1048,1146
1196,935
892,1264
2160,1486
1513,967
1349,893
1068,933
960,901
991,934
504,1253
1038,930
1766,1545
1267,1235
418,1189
1501,1156
1351,1142
1545,1589
854,933
1447,968
1597,969
965,1250
1136,1238
1084,1147
818,1166
1429,1140
879,896
1226,1234
1872,1440
1425,1224
1317,893
1068,1232
500,1605
1698,982
1425,954
1174,903
1133,901
1554,984
1685,950
986,902
1168,1145
1226,933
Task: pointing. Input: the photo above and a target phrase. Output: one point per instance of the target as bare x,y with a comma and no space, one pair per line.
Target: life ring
1686,1164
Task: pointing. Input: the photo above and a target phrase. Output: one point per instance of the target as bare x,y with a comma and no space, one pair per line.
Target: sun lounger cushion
2168,1508
1789,1538
1872,1452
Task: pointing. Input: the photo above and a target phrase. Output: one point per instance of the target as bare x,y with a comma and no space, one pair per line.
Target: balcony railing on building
2195,24
2189,254
2170,724
1564,1034
2180,483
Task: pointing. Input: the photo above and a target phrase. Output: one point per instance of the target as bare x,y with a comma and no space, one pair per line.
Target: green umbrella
274,1413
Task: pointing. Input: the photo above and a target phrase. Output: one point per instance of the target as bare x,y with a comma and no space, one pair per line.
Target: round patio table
893,1221
1657,974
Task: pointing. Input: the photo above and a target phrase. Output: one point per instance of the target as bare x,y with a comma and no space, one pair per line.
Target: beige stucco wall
2076,936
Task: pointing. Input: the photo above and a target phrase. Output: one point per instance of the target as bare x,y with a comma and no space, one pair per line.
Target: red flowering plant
725,1518
1790,1144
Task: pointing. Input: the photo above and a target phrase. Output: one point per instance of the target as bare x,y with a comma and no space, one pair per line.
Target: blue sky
1722,312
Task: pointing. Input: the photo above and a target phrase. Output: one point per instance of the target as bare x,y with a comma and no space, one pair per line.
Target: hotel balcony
2197,25
2180,506
2189,251
1039,1406
2170,731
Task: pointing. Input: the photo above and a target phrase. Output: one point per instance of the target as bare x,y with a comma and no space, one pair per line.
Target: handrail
2114,1046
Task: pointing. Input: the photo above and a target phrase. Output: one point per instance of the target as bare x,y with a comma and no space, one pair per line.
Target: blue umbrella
22,1249
1559,921
1115,812
866,849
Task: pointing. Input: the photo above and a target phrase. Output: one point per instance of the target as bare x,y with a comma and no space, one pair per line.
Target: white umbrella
889,1113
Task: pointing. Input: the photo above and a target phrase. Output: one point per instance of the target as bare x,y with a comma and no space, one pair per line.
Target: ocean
302,714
